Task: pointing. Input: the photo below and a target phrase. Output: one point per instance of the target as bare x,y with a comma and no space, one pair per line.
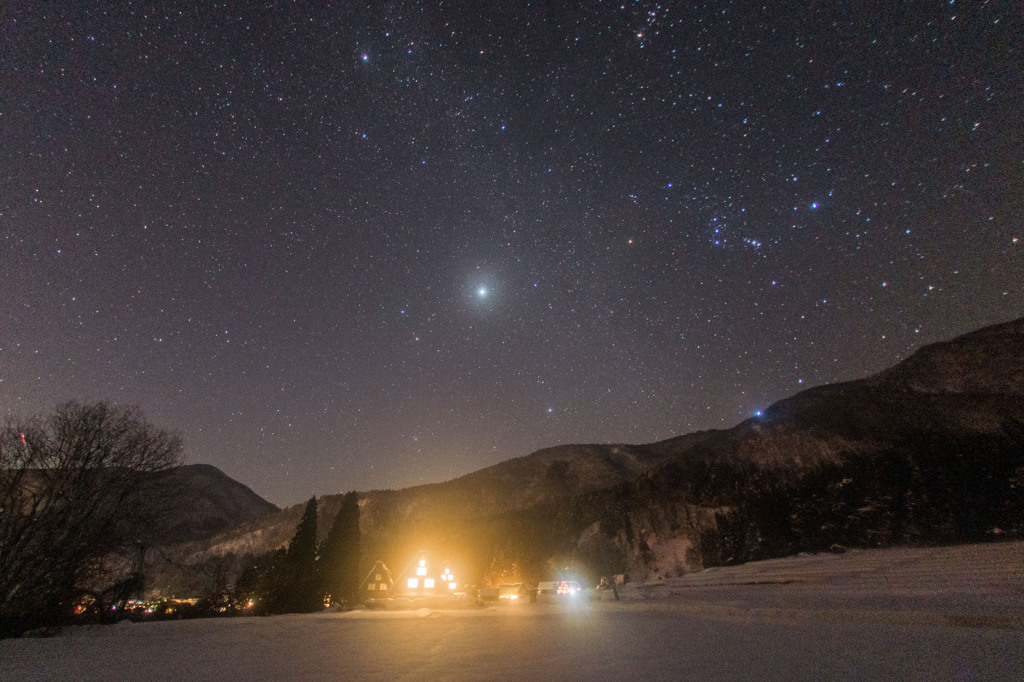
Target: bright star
481,292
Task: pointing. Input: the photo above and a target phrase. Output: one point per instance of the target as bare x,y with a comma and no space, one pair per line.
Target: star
427,180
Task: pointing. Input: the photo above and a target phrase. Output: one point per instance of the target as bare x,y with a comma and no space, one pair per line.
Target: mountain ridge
691,500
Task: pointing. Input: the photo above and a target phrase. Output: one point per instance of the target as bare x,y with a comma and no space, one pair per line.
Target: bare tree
75,490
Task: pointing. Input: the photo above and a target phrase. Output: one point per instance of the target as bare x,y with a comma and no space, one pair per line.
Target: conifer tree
293,584
302,548
302,560
339,556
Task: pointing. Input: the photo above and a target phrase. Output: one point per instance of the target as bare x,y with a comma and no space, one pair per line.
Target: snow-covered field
908,614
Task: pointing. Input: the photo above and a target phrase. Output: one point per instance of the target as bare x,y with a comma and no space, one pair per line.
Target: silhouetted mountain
928,451
201,501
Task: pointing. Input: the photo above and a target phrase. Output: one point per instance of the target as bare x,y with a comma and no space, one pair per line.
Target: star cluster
351,246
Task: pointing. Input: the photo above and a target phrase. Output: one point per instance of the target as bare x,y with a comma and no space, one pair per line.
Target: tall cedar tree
293,582
302,557
339,554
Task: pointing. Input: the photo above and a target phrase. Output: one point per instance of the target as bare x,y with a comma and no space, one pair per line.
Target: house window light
428,583
414,583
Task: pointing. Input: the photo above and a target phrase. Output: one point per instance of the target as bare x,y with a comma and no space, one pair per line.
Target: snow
916,614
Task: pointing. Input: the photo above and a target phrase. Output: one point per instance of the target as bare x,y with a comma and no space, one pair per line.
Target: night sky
381,244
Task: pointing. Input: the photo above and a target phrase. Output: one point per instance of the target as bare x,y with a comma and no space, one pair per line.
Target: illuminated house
377,584
423,577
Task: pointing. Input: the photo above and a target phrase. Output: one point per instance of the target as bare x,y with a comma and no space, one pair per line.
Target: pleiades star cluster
371,245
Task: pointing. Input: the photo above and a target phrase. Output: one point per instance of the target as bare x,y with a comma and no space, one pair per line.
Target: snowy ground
926,614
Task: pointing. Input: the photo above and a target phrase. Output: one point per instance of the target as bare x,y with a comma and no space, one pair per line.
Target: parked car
569,587
516,592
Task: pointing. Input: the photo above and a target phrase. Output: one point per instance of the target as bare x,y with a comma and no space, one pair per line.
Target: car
569,587
516,592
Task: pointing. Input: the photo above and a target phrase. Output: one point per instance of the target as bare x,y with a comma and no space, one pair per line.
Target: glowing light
413,583
421,570
481,292
428,583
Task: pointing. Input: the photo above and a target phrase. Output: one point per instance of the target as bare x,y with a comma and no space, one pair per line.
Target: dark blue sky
366,246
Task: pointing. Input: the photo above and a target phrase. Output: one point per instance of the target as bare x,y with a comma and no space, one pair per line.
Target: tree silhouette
302,548
293,584
76,489
339,555
254,586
